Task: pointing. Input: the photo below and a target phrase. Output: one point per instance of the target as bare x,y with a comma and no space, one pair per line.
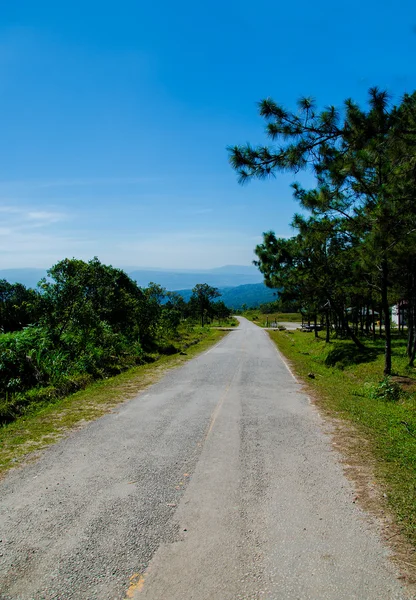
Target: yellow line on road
136,585
217,409
137,580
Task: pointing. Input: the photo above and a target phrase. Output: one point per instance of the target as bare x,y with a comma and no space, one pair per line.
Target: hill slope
222,277
227,276
252,295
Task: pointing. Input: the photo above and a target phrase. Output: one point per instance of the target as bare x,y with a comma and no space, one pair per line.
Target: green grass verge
46,423
349,384
229,322
264,320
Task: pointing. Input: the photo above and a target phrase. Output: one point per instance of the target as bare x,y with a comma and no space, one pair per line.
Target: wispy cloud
32,236
43,217
73,182
10,210
41,249
24,218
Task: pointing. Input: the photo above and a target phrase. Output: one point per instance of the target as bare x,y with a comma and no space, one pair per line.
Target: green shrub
387,390
22,355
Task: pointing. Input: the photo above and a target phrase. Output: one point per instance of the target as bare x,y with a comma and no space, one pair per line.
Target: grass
349,384
46,423
264,320
228,322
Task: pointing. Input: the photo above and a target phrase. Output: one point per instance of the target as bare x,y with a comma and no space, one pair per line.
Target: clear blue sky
115,117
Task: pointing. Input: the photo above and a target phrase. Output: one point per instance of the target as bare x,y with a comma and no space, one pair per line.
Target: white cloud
43,217
23,218
11,210
20,249
28,237
39,236
32,184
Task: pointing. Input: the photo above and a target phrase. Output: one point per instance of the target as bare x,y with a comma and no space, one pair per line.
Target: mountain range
251,295
238,284
172,280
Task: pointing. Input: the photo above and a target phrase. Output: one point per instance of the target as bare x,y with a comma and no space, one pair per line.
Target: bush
22,355
37,367
387,390
15,405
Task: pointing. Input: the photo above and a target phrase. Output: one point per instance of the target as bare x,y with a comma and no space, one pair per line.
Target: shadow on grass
345,355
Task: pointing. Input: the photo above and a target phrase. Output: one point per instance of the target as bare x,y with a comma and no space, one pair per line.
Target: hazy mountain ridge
29,277
172,280
252,295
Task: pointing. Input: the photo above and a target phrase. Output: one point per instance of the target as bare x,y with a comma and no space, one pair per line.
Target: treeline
281,305
86,321
354,253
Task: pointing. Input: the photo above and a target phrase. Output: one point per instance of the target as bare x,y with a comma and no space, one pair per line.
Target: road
217,483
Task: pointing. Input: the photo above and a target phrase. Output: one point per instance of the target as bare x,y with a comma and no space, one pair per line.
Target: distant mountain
182,280
252,295
236,269
29,277
221,277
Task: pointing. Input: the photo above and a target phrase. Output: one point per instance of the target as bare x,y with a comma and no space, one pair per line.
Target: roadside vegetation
275,318
43,423
352,258
272,312
263,319
354,252
346,383
87,322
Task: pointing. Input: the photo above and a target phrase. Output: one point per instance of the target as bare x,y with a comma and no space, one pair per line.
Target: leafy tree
174,310
220,310
19,306
82,296
202,296
356,157
313,268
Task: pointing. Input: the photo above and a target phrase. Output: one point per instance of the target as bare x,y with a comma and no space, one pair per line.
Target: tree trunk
373,319
340,314
386,313
380,329
327,326
410,331
412,354
412,341
315,325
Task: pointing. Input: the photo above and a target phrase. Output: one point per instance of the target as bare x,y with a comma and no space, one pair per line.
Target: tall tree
202,296
19,306
355,157
80,296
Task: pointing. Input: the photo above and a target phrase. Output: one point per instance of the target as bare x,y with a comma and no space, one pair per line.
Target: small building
399,313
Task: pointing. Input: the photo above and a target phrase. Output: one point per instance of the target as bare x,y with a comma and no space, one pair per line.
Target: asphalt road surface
217,483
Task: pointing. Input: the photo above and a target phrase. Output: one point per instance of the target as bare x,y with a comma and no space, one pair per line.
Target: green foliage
357,247
387,390
82,296
201,301
91,321
19,306
264,318
46,417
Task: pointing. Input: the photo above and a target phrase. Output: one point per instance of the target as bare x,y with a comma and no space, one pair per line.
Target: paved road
218,483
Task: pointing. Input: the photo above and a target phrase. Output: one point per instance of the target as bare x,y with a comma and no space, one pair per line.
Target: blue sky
116,116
